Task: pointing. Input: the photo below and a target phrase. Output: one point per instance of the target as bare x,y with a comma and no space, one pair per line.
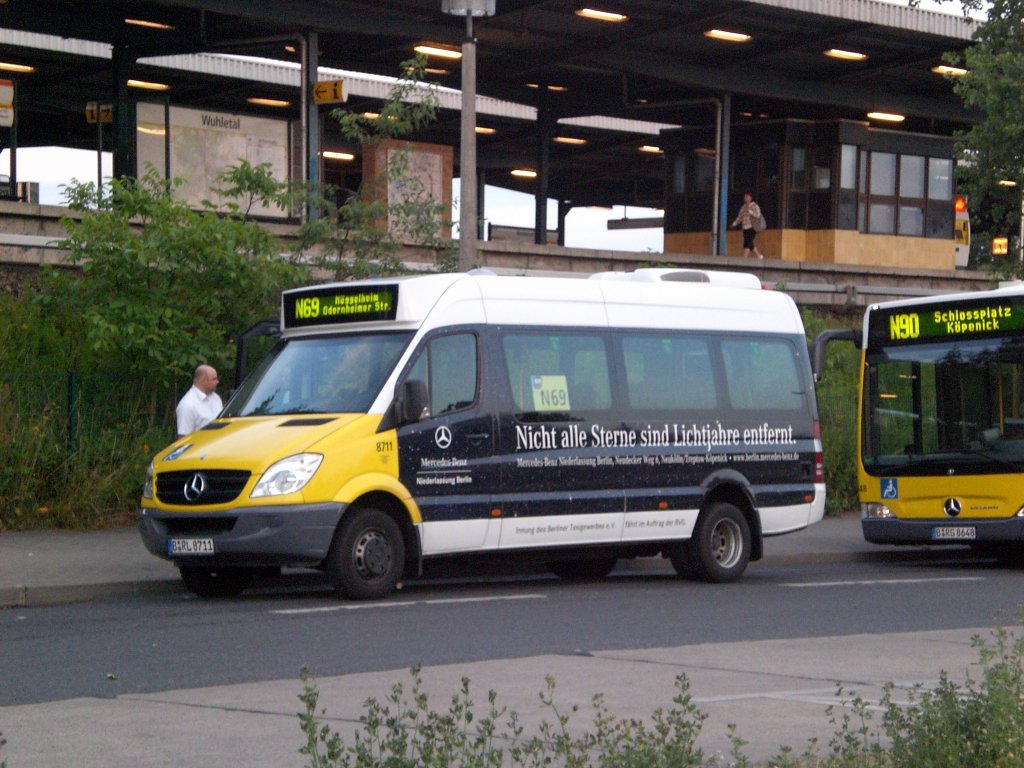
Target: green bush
977,724
403,731
837,408
73,450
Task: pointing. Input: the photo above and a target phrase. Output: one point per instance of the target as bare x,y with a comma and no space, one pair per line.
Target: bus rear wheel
367,556
720,547
215,582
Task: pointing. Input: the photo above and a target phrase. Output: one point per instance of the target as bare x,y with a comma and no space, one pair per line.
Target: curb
22,596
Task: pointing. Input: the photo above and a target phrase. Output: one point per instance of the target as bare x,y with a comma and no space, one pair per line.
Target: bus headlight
874,511
147,487
288,475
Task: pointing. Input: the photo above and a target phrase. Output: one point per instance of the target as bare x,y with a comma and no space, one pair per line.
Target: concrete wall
29,235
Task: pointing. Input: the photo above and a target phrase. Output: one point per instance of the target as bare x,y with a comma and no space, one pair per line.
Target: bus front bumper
299,535
943,531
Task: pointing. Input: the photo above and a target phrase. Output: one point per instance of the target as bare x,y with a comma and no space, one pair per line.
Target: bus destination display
946,321
339,305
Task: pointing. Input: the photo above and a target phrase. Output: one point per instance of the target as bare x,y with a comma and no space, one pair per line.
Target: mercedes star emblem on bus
443,437
194,487
951,507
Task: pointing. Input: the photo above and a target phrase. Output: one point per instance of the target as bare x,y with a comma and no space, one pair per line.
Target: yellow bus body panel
922,498
357,458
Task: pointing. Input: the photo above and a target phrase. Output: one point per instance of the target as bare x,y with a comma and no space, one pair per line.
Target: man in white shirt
201,404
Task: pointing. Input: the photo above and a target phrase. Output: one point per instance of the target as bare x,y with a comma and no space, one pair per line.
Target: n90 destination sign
949,320
339,305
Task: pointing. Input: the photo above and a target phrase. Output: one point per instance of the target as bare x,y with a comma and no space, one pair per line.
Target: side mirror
823,339
413,403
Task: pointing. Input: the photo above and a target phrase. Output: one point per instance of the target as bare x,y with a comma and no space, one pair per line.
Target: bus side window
557,373
761,375
669,373
447,365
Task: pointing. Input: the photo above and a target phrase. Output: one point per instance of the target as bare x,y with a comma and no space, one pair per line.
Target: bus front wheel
720,547
367,556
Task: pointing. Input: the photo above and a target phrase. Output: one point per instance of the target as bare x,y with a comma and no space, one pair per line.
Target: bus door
446,457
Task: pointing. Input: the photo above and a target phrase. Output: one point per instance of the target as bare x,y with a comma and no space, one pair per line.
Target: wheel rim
727,543
372,554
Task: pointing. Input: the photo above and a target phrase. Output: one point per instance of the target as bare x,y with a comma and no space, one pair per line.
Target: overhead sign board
329,92
96,112
6,103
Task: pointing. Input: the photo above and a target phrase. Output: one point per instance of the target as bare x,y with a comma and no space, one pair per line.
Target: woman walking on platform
752,222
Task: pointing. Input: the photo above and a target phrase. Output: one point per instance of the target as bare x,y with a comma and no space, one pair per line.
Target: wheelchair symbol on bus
890,488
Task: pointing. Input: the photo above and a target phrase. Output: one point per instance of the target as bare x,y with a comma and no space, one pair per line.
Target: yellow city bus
941,440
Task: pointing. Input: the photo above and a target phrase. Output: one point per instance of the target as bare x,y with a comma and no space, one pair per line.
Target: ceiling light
148,86
1006,183
888,117
558,88
151,131
371,115
435,71
430,49
532,85
839,53
570,140
330,154
485,131
16,67
148,24
264,102
524,173
593,13
723,34
651,149
290,48
943,69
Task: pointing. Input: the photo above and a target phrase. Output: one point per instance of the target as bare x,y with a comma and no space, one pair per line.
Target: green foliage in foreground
975,724
403,731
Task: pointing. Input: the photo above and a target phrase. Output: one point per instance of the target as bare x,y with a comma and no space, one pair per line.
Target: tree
163,287
364,234
991,171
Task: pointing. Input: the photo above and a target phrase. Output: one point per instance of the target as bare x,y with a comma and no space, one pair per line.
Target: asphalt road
163,643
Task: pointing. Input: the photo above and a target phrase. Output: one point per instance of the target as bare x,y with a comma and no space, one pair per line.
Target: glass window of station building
834,192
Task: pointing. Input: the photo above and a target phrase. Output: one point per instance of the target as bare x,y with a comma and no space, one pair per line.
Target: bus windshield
320,374
945,407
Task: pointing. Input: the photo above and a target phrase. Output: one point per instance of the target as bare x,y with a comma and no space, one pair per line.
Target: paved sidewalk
774,691
50,567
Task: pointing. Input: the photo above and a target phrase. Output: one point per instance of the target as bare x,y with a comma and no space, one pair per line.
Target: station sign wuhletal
329,92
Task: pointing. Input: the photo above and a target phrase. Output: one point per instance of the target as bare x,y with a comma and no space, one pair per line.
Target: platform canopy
625,78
